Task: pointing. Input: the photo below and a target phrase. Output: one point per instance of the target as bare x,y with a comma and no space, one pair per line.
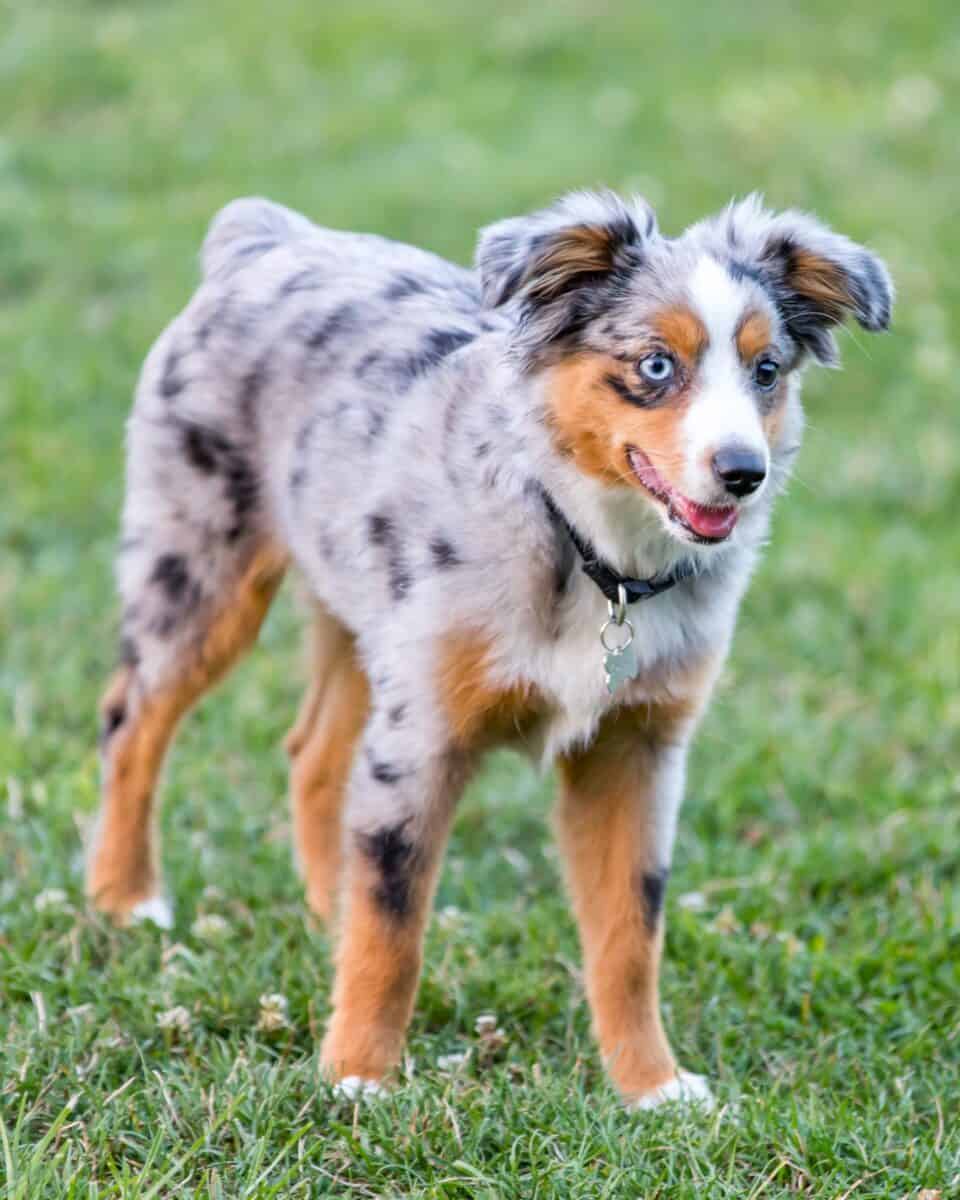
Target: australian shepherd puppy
526,501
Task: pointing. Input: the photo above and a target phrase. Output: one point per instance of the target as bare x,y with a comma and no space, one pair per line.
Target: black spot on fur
172,382
394,857
319,333
440,342
205,448
217,316
170,572
483,449
400,580
382,532
307,280
367,364
252,249
443,553
435,347
404,285
375,423
652,887
300,471
250,388
397,714
129,654
113,718
211,453
380,528
243,490
384,772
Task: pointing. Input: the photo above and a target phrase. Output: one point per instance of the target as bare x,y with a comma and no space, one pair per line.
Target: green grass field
813,953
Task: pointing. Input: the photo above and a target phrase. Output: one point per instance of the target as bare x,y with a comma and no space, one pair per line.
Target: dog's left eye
657,368
765,374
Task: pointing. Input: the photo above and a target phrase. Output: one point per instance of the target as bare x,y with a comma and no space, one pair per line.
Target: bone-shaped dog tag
620,662
620,666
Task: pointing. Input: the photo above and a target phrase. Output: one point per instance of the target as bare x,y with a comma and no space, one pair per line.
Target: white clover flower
273,1013
50,898
210,928
452,1062
175,1021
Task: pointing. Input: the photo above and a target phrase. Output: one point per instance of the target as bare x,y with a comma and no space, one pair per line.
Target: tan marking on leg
602,821
322,746
122,870
477,708
378,961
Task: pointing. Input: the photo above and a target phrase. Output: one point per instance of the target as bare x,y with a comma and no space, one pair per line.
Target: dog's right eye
657,368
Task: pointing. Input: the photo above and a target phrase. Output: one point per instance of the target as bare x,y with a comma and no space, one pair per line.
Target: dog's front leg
616,819
397,823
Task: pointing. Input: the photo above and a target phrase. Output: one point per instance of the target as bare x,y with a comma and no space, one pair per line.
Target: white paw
355,1087
156,909
684,1088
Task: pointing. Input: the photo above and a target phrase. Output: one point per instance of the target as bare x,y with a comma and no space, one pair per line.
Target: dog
526,500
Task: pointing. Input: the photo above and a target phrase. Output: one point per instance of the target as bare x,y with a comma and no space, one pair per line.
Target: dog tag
620,666
620,662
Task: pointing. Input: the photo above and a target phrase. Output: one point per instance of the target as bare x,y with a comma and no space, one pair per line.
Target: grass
817,983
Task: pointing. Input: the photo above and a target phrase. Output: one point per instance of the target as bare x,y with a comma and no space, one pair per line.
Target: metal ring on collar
618,610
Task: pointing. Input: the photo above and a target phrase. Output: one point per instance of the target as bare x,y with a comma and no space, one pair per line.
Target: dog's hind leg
159,680
196,572
321,747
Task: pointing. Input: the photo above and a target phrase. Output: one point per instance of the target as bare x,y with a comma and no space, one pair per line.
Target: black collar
608,580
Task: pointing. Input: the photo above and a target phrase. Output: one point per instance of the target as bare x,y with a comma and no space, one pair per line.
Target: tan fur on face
683,332
477,708
321,747
754,335
593,426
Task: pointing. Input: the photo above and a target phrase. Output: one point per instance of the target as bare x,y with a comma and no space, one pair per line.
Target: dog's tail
244,230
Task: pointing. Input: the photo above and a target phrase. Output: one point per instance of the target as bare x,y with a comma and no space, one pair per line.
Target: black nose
741,471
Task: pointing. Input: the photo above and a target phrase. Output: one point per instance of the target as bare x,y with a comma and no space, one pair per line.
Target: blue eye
657,368
765,374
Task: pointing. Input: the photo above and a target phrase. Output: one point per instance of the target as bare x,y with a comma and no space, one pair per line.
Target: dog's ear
545,261
817,277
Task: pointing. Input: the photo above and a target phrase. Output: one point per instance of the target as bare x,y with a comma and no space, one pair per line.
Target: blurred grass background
813,949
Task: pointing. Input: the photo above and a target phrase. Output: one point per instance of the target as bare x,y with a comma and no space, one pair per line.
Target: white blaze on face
724,409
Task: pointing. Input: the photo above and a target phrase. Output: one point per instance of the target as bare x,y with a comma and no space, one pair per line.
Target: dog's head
670,366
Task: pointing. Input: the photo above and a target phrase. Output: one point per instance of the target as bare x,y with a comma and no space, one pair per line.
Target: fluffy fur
394,425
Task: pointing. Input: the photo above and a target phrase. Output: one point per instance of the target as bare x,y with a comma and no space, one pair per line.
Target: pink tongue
708,522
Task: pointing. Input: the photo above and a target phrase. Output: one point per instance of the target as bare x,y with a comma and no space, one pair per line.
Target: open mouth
704,522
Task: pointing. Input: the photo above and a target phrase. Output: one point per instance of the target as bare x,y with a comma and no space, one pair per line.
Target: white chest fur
671,633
